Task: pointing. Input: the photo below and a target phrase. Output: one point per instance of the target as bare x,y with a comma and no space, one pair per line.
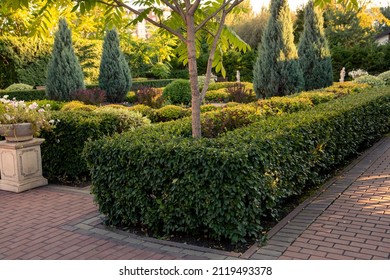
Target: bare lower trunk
193,71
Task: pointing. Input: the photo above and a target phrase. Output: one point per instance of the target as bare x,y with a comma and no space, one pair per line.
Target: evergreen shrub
26,95
385,76
145,111
61,151
19,86
178,92
64,74
276,70
314,54
114,74
171,112
370,80
78,106
219,95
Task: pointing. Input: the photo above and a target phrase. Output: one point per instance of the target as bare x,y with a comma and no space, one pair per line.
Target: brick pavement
348,219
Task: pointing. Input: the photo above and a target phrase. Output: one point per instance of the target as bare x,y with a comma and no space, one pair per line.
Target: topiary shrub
26,95
219,95
217,122
146,111
128,120
317,97
77,106
208,108
230,187
16,87
370,80
280,105
171,112
385,76
62,149
178,92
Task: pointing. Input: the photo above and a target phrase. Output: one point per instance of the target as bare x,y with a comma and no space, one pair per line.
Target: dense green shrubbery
151,83
19,86
370,80
26,95
61,151
221,85
165,181
178,92
77,106
219,95
215,123
145,111
54,105
171,112
385,76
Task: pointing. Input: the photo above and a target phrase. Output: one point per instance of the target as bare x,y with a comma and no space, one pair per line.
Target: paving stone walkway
348,219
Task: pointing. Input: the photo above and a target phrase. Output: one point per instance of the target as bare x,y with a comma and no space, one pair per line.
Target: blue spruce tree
114,75
276,71
313,51
64,74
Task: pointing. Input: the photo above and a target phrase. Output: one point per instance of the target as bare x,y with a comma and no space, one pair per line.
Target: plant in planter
20,122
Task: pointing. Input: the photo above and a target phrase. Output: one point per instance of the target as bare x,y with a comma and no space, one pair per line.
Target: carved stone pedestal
21,165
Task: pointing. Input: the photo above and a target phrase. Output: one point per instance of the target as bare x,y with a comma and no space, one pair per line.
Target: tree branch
194,7
212,54
155,23
223,6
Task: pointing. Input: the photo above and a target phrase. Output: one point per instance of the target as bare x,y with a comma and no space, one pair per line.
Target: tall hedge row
226,187
62,149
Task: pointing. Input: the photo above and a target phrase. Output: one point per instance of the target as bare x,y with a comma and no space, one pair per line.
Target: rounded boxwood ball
178,92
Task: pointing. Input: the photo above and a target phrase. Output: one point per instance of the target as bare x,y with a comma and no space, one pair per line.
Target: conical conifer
276,71
64,74
114,75
313,51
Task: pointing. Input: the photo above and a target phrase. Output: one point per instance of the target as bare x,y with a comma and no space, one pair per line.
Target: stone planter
21,165
18,132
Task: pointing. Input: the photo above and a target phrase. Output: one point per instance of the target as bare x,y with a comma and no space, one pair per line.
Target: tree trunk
193,71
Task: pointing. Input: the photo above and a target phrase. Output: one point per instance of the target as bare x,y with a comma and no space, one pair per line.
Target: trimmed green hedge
227,187
61,151
26,95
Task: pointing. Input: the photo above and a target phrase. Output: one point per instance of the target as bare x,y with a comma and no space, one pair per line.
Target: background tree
351,35
64,75
313,51
251,28
277,71
114,75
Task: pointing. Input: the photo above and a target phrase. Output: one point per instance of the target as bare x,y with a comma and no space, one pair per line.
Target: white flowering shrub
357,73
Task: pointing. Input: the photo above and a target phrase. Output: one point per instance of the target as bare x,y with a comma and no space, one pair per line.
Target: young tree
114,75
276,71
64,75
313,51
